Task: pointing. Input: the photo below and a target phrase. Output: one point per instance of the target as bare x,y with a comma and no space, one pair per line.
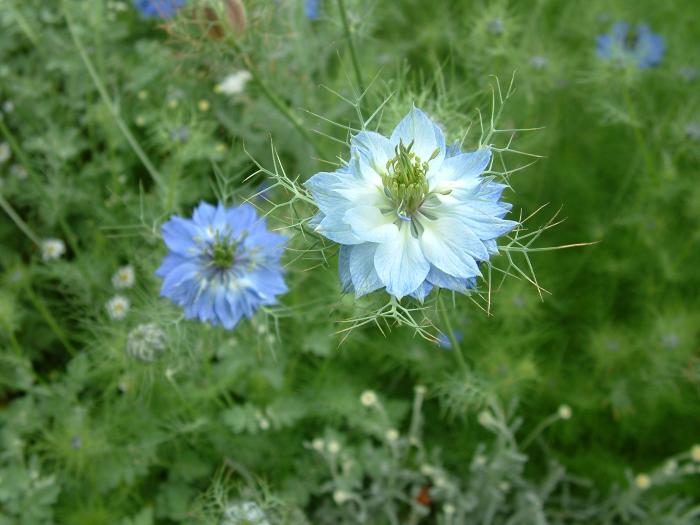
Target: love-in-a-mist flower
631,45
223,264
409,212
159,8
234,83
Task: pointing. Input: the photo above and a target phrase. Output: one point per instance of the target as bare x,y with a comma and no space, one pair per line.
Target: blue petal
422,291
364,277
445,280
179,235
375,149
344,269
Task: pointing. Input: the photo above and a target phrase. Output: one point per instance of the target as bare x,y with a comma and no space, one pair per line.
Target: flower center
405,181
631,40
223,253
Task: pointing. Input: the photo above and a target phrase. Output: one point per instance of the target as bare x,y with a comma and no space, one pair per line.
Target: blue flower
312,9
223,264
631,45
159,8
409,212
444,341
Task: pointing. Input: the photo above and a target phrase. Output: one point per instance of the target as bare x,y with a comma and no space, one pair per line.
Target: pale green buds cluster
405,181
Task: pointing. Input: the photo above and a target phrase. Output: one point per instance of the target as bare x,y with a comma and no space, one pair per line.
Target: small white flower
247,512
146,342
368,398
8,106
124,278
5,152
263,422
234,83
318,444
203,105
564,412
449,509
52,249
420,390
392,435
118,307
695,453
643,481
340,496
480,460
504,486
333,447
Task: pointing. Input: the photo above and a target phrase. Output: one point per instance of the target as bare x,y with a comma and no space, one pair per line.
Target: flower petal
344,269
400,263
369,224
445,280
417,127
452,247
460,171
364,276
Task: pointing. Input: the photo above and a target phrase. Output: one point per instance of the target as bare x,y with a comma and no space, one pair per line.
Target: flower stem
447,325
274,99
157,177
50,320
351,45
7,207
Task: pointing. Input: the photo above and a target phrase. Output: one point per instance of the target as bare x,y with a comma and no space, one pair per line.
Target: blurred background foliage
112,123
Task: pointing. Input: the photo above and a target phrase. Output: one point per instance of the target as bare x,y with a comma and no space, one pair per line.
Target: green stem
451,335
274,99
50,320
16,149
351,45
157,177
5,205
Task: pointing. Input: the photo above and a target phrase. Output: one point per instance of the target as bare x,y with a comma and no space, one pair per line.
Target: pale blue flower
444,341
223,264
631,45
312,9
409,212
159,8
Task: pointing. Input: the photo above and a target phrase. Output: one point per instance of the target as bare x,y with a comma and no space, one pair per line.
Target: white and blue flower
159,8
410,213
223,264
626,44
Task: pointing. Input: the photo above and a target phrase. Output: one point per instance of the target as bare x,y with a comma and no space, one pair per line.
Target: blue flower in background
223,264
444,340
634,45
409,212
312,9
158,8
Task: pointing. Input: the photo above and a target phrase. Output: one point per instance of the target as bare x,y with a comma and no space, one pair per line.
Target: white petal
337,230
460,171
369,224
373,149
452,247
400,263
426,136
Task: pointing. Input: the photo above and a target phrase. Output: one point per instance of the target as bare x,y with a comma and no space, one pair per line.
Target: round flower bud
340,496
564,412
392,435
318,444
146,342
